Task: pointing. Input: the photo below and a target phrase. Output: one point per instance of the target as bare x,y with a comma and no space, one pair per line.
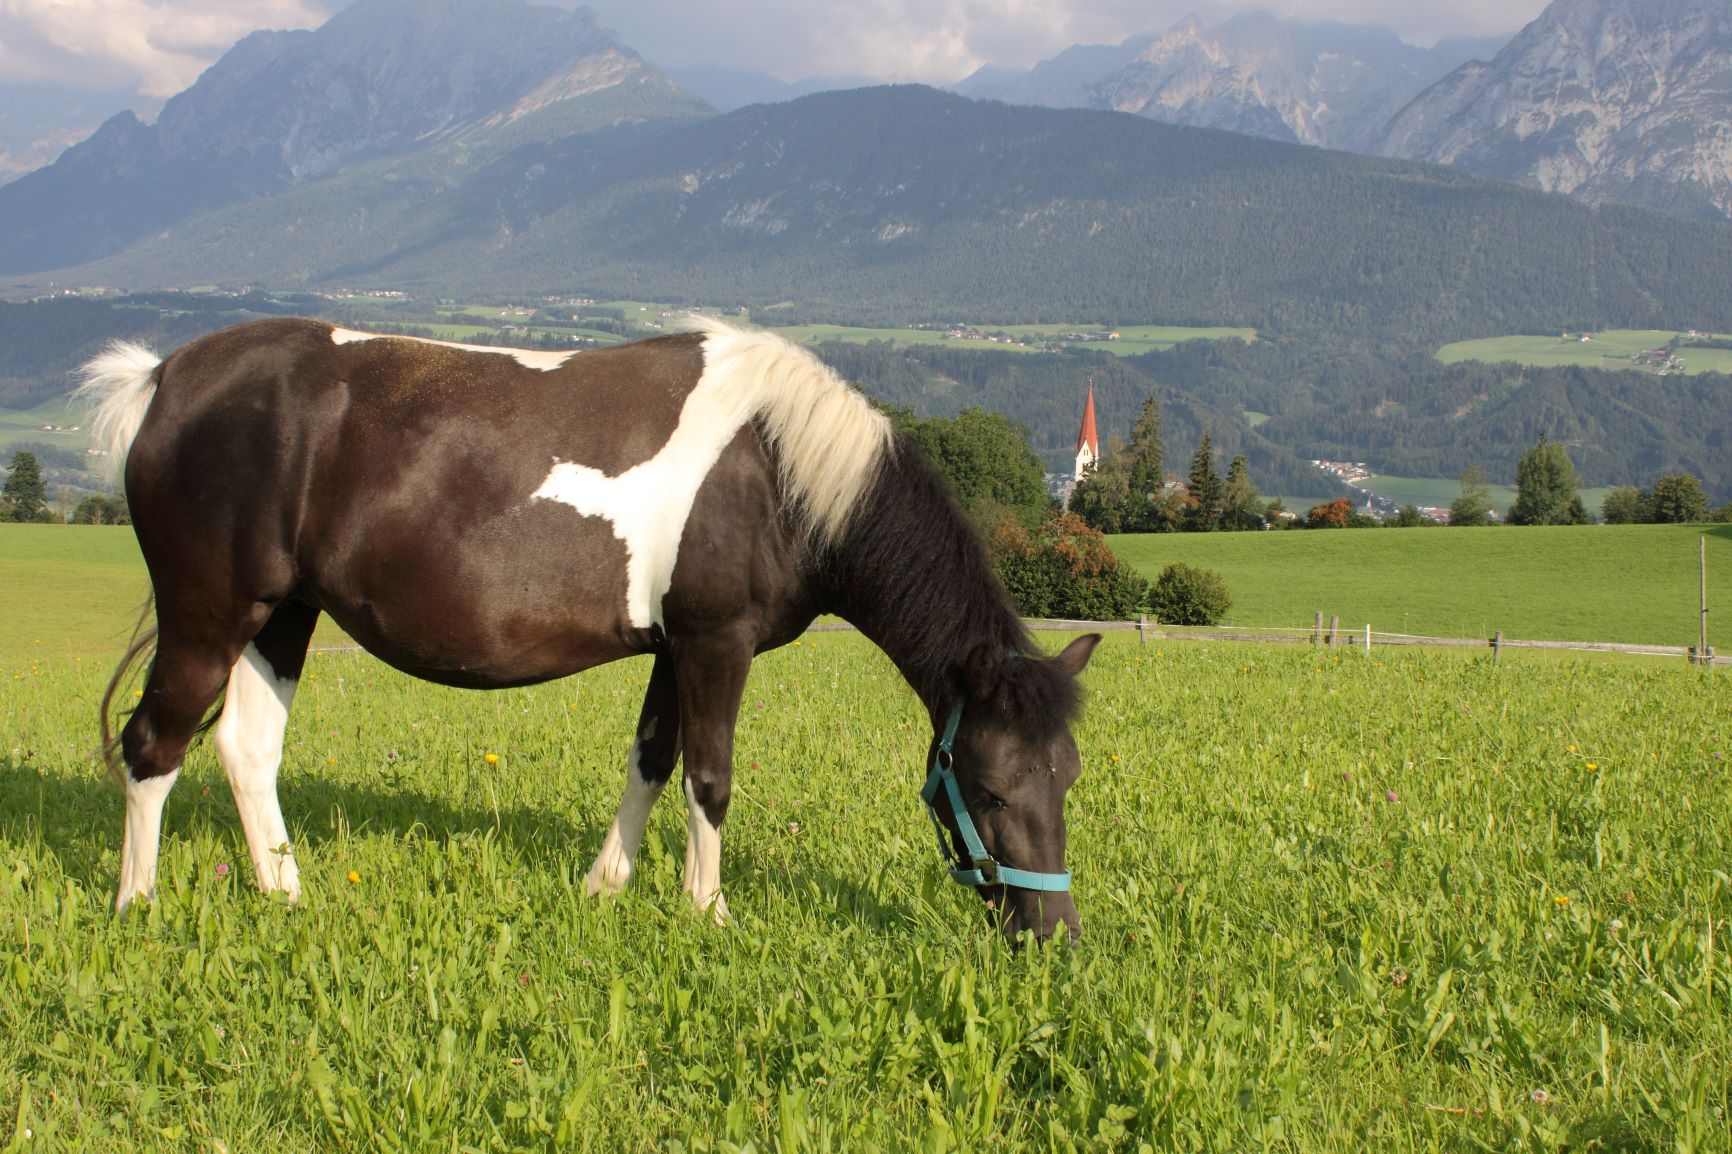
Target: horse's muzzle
1017,910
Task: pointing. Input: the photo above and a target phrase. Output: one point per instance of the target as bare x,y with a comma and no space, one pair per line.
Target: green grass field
1330,904
1440,491
1611,349
1628,583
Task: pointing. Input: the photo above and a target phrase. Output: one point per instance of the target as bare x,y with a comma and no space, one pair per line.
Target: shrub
1186,595
1064,569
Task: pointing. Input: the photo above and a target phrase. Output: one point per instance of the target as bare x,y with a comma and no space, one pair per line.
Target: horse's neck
912,575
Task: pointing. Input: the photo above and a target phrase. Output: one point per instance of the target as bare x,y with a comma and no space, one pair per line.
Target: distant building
1088,441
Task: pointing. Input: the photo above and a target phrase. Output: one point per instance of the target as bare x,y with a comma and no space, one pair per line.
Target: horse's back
397,483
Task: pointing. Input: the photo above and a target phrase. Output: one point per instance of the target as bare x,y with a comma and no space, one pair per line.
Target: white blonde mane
829,440
119,383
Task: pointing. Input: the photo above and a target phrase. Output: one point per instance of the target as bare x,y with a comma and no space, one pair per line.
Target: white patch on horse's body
829,442
703,882
249,742
612,869
143,837
545,360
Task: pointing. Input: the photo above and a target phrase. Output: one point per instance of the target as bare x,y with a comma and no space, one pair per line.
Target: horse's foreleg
712,677
654,749
249,740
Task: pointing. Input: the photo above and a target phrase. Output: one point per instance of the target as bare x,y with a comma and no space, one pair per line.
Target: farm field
1611,349
1133,339
1629,583
1329,904
1440,491
24,426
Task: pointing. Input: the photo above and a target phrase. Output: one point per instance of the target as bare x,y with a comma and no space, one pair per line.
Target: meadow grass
1330,904
1611,349
1626,583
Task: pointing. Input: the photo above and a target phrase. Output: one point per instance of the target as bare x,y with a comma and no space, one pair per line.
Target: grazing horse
492,517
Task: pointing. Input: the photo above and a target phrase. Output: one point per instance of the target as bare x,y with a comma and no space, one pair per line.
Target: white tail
119,384
829,439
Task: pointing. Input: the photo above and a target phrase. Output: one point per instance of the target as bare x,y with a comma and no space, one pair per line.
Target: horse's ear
980,672
1075,656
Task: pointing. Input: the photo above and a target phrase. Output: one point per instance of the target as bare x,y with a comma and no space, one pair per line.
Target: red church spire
1087,435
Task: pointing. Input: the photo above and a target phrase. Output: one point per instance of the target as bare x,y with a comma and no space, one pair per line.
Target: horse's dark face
1015,761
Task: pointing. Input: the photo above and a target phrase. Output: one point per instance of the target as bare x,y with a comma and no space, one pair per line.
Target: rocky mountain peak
1603,99
380,78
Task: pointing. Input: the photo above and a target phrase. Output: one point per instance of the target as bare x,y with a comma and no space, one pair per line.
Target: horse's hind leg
249,739
185,677
655,747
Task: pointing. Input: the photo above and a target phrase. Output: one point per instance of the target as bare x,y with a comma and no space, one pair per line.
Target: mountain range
1606,100
454,81
496,146
1329,84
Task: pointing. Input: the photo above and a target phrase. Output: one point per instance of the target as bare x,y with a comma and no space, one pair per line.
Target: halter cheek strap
980,868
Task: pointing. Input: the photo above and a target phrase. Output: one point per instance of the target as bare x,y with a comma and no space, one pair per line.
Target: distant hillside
1044,393
452,81
908,203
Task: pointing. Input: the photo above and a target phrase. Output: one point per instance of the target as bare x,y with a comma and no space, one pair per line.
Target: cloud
160,46
939,41
157,46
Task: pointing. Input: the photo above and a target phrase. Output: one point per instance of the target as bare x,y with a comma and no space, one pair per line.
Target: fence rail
1329,637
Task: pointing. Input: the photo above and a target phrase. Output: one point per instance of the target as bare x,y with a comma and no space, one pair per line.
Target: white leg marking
703,861
612,868
138,847
249,740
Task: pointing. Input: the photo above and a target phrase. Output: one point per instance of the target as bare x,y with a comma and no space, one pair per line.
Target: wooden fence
1333,636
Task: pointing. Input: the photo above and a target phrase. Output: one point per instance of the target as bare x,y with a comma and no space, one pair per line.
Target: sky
158,47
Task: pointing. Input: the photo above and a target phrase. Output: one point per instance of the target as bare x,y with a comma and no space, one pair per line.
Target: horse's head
1014,759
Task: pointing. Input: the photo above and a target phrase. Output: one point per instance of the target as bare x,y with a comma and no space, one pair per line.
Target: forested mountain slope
909,203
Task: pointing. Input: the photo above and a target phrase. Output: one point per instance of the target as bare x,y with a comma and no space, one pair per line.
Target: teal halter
979,868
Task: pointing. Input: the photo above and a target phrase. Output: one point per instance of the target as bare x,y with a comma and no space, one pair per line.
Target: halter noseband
979,868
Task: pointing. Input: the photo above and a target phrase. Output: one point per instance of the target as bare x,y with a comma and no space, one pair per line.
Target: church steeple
1088,441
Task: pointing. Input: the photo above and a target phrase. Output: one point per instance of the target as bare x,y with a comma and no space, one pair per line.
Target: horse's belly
513,601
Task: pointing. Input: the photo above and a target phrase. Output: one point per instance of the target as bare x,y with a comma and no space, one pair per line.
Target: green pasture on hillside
1611,349
1440,491
1133,339
1627,583
1330,903
24,426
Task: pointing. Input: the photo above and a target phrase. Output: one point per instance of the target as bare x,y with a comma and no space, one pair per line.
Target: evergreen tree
24,497
1548,491
1144,460
1241,504
1473,507
1102,497
1205,505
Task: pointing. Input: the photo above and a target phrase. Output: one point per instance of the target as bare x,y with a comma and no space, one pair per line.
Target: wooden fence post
1143,628
1317,629
1334,630
1497,647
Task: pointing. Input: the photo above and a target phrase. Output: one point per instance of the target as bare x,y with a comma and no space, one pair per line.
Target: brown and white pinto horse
490,517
